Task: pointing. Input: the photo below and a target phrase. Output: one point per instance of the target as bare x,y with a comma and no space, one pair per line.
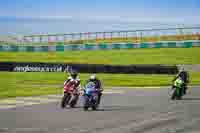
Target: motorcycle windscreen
178,83
89,88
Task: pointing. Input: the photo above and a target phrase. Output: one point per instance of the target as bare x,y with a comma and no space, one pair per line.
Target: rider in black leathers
185,77
98,85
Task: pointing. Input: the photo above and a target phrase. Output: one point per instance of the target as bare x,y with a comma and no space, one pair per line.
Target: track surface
134,111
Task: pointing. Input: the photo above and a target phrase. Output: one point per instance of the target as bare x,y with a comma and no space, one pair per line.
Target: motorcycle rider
185,77
98,85
72,81
74,77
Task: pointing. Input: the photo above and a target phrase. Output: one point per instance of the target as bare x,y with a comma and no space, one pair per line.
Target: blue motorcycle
90,96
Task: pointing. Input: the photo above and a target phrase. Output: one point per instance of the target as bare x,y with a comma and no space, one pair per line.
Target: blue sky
66,16
124,10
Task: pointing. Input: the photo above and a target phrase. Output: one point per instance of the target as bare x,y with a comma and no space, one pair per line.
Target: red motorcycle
71,95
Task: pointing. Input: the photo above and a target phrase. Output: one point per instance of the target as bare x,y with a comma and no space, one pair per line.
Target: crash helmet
93,77
73,74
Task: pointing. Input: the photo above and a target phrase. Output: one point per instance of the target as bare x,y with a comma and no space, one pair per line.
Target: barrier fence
136,36
46,48
87,68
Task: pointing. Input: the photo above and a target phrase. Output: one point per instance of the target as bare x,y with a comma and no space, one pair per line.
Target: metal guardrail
139,34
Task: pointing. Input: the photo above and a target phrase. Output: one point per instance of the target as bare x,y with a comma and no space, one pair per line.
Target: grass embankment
28,84
115,57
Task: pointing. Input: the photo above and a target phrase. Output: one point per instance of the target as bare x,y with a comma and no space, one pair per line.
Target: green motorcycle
177,89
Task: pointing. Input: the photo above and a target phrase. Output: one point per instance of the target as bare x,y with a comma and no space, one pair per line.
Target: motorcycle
90,96
71,95
177,90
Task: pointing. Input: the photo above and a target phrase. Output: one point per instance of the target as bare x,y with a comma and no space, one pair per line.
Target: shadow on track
76,107
111,108
120,108
192,99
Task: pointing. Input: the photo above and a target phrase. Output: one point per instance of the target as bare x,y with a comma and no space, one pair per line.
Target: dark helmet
73,74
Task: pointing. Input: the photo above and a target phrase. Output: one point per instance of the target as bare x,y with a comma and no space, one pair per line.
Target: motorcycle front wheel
65,100
74,101
174,95
86,103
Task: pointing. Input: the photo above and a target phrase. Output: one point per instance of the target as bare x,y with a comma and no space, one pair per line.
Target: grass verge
115,57
35,83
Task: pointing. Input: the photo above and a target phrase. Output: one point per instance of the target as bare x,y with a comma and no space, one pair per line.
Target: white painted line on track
38,99
8,101
34,100
28,103
7,106
113,92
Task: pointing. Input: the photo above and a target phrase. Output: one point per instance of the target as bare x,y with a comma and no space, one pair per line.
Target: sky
144,10
174,11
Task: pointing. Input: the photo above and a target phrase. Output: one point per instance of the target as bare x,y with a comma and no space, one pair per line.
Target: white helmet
93,76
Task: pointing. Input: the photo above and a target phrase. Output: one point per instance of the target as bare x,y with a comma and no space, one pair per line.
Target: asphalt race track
134,111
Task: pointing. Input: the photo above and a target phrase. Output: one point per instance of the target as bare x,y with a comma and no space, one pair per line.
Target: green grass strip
115,57
36,83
